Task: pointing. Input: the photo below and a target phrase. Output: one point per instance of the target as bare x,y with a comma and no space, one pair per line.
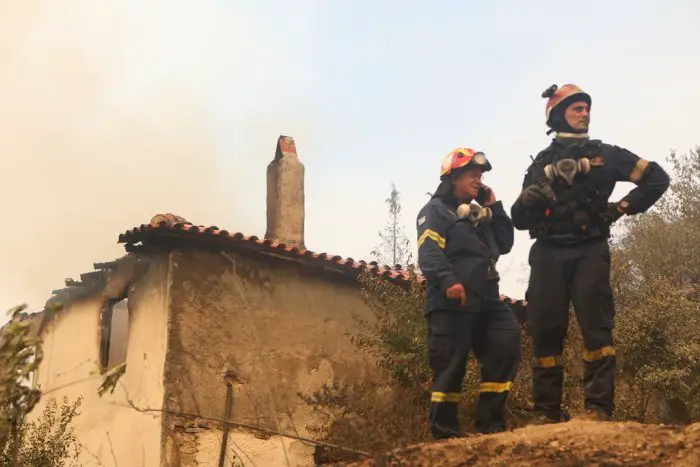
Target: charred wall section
275,327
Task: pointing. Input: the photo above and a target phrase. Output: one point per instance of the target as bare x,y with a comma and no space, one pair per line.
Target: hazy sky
114,112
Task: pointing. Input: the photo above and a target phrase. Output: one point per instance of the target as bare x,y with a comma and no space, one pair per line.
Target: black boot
544,417
444,421
440,432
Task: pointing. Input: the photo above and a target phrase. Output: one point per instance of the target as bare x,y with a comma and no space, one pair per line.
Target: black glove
613,212
534,195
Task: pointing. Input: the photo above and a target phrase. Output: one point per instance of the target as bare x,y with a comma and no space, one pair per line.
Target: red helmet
461,157
557,95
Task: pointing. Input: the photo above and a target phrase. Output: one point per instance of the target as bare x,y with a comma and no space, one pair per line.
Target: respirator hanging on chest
567,169
474,213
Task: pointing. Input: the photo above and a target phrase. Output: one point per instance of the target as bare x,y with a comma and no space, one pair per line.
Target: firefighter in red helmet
462,231
565,206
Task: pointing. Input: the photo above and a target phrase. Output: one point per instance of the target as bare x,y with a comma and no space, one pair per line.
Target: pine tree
395,248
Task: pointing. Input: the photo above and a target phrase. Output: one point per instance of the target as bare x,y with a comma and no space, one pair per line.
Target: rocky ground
576,443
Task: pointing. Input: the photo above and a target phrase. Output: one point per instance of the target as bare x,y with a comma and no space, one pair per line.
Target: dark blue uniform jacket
451,250
609,164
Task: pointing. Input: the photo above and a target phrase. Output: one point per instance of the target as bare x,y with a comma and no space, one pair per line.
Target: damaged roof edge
164,227
111,280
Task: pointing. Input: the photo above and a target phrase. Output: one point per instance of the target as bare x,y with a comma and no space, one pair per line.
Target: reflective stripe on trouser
490,406
559,276
449,343
599,378
547,381
494,336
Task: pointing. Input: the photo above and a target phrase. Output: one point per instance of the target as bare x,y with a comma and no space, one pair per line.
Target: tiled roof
171,226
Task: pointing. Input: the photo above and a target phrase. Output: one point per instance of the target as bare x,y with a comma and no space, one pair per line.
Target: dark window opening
114,329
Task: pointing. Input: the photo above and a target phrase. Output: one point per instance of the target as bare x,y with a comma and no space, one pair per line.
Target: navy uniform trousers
493,334
558,277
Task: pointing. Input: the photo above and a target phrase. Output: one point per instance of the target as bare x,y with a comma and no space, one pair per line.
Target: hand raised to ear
486,196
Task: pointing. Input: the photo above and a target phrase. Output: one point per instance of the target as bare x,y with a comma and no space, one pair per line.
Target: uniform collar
571,140
565,135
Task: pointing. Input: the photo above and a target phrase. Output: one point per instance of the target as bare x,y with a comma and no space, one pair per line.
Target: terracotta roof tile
171,226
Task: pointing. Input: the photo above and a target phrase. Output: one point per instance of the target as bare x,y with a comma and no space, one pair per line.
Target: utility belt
574,221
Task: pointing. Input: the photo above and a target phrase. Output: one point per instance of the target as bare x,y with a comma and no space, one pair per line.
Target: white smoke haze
86,153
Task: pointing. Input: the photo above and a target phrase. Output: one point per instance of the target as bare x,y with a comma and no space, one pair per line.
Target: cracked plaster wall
278,330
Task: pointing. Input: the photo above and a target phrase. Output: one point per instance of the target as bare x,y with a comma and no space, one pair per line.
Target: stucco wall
276,327
107,426
243,450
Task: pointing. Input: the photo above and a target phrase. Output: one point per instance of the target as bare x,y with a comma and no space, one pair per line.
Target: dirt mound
576,443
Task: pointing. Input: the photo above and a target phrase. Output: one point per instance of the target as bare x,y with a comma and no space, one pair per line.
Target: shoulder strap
545,155
592,147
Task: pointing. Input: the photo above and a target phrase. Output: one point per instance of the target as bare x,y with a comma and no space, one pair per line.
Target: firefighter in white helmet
565,206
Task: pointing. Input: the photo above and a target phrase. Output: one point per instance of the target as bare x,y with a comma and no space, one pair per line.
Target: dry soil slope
576,443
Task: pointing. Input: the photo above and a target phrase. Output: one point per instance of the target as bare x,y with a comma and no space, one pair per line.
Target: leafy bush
656,278
20,355
49,441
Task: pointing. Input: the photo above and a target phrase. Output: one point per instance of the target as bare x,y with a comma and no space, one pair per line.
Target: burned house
206,324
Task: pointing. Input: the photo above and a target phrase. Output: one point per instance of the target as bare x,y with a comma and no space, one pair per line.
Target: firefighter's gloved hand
534,195
614,212
486,196
457,292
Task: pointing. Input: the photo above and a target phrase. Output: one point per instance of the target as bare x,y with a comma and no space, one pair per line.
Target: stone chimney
285,196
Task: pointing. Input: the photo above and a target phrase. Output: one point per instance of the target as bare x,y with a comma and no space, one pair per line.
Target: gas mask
567,169
474,213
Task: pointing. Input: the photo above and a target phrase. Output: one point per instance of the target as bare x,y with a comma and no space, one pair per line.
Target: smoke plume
80,162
